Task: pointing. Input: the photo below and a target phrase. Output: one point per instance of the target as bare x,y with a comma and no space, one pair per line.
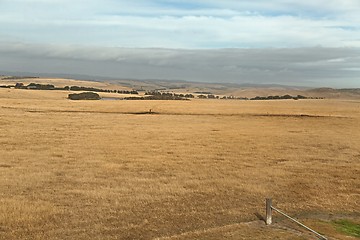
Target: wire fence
270,208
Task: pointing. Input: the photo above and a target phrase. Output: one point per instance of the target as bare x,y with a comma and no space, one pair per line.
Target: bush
84,96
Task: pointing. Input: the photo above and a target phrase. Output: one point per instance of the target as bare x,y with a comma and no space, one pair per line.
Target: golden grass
99,170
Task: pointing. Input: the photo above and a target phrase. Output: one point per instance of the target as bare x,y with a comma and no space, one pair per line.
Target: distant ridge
55,75
247,90
153,81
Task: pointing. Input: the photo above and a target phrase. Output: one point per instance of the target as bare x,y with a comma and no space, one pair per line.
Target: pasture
198,169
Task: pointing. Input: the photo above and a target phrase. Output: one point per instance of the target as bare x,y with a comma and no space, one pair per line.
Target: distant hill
347,93
56,75
151,83
247,90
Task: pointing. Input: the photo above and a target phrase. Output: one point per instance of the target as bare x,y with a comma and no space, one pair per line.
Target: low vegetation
16,77
156,95
84,96
211,96
280,97
77,88
348,227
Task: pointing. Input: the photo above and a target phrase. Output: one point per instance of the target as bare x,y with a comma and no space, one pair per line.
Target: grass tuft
348,227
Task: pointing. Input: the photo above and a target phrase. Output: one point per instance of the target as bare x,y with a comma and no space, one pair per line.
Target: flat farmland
197,169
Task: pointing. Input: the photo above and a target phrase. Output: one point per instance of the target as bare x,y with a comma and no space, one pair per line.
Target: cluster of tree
209,96
279,97
77,88
31,86
84,96
6,86
38,86
212,96
233,97
35,86
157,97
17,77
168,95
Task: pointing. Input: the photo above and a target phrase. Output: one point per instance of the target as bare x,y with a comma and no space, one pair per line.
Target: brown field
197,169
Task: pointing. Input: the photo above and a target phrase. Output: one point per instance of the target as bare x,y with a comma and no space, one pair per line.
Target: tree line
279,97
37,86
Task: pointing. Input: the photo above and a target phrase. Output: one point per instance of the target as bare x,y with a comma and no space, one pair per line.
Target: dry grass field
197,169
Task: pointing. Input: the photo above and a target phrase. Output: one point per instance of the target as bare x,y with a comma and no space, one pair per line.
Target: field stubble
96,169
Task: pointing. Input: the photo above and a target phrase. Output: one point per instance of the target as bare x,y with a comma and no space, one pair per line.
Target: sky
301,43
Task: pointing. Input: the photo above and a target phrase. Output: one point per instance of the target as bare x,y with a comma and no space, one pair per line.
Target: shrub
84,96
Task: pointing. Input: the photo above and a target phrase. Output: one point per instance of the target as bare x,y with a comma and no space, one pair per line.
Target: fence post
268,211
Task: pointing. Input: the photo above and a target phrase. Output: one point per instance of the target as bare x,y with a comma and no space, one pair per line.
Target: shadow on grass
260,217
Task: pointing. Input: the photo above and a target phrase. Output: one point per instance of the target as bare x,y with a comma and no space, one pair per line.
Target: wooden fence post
268,211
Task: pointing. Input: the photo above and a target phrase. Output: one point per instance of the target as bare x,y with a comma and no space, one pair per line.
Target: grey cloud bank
314,67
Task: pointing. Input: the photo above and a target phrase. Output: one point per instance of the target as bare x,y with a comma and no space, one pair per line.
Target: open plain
198,169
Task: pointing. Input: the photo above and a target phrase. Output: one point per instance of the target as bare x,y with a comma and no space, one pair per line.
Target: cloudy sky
308,42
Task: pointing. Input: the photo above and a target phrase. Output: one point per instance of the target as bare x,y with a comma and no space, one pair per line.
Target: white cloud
189,24
192,31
